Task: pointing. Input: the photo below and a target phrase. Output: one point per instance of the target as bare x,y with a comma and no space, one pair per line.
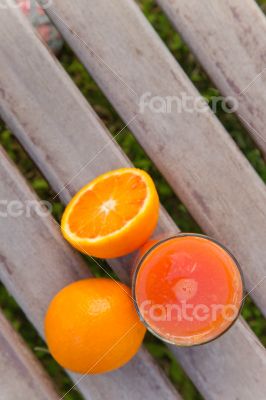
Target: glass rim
145,255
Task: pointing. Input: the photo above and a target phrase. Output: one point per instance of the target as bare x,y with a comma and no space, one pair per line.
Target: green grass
176,209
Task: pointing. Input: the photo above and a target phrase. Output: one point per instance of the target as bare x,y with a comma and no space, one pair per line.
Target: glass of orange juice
188,288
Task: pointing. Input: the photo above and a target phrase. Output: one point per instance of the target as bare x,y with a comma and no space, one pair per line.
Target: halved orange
113,215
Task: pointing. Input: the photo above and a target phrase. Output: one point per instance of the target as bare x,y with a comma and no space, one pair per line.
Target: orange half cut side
113,215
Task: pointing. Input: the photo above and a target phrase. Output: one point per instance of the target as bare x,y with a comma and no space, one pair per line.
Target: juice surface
188,290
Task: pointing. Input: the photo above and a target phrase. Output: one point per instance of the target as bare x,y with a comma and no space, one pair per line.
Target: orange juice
188,289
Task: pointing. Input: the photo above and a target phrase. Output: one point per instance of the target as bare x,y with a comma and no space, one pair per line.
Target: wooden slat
48,140
228,38
192,150
21,375
215,377
35,263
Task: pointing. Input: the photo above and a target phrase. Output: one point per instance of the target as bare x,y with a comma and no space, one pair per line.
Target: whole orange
91,326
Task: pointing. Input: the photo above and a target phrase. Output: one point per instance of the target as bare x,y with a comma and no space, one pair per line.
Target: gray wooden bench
62,134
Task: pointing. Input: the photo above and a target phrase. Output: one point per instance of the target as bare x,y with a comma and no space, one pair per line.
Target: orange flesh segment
108,206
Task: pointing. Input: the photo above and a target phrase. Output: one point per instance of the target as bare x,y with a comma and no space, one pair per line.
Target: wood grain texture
21,375
192,150
35,263
228,39
215,358
41,90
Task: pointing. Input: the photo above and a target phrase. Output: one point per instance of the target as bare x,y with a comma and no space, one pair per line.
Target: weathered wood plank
21,375
192,150
48,140
228,39
35,263
50,262
215,358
